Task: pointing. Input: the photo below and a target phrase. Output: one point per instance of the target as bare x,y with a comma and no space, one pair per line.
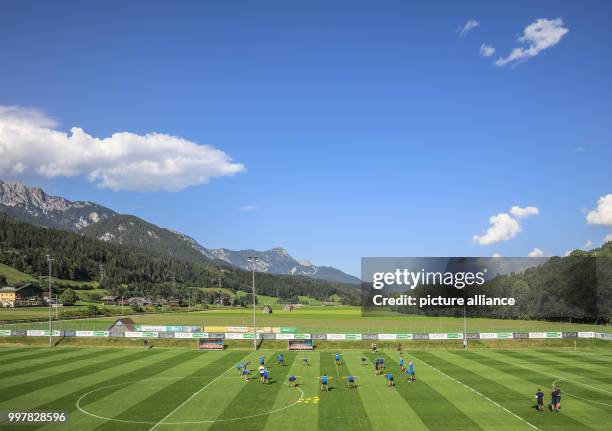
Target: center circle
92,414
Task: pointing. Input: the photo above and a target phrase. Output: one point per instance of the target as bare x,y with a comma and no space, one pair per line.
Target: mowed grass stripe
9,351
34,354
50,363
160,403
157,362
433,408
339,408
520,403
573,356
385,407
63,377
256,398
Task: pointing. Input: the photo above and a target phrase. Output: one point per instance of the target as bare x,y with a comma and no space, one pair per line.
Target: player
281,360
374,347
382,363
350,382
324,382
555,399
364,360
292,381
338,359
390,380
401,364
245,374
262,369
539,396
377,368
240,366
262,360
306,362
266,377
410,371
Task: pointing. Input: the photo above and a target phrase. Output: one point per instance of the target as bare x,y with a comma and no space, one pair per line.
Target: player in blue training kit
266,377
281,360
350,382
401,363
245,374
539,396
292,381
239,367
324,382
338,359
390,380
262,360
410,371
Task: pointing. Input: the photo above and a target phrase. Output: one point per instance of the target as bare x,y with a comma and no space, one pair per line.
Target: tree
2,281
68,297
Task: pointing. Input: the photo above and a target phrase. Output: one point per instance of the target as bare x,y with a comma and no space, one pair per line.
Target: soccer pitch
126,389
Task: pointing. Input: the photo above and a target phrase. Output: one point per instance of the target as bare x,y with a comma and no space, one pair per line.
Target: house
23,296
138,301
120,326
110,300
266,309
288,307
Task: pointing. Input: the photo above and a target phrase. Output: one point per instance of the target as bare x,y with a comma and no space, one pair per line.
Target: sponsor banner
404,336
545,335
302,336
215,329
285,336
288,329
353,337
184,335
41,333
420,336
369,337
473,336
166,328
215,334
166,334
70,334
586,334
91,333
238,329
520,335
570,334
495,335
448,336
601,335
269,336
19,332
5,332
141,334
318,336
240,336
336,336
387,336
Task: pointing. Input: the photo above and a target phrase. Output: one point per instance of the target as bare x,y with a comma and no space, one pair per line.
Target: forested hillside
135,271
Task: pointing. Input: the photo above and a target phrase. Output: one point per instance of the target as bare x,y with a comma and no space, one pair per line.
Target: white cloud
31,143
519,212
504,226
602,215
487,50
536,252
608,238
567,253
496,255
469,25
248,208
538,36
587,244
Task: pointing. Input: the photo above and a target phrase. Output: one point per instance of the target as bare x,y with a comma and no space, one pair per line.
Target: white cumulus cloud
587,245
536,252
496,255
31,143
602,215
469,25
539,35
505,226
608,238
519,212
487,50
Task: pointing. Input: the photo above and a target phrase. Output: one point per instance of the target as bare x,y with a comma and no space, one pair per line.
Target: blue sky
361,128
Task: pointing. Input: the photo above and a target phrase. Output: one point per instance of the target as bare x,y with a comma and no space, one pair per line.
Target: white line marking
478,393
195,394
580,398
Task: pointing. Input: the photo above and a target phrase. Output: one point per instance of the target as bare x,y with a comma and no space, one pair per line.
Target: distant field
114,389
314,319
16,278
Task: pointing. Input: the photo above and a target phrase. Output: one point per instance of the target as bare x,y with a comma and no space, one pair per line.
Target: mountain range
34,206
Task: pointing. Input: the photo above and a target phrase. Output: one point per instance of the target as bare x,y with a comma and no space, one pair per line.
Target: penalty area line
480,394
195,394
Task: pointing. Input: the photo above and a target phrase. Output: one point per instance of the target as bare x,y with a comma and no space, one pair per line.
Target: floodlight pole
49,260
253,260
465,341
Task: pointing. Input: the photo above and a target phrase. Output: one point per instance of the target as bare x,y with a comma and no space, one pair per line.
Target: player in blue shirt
245,374
338,359
324,382
401,364
262,360
239,367
539,396
293,381
381,363
390,380
410,371
266,377
281,360
350,382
